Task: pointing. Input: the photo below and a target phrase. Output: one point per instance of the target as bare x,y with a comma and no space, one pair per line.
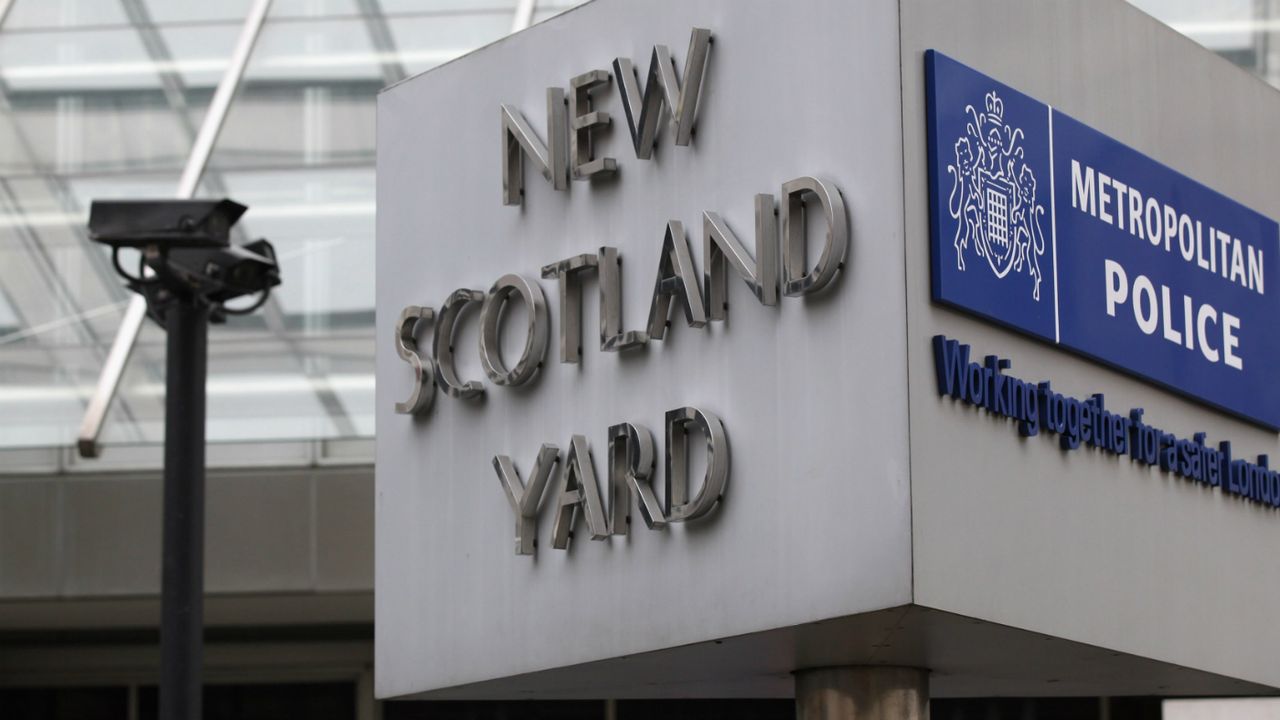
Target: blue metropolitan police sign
1043,224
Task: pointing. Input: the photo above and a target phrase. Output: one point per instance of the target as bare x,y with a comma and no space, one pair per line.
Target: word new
560,159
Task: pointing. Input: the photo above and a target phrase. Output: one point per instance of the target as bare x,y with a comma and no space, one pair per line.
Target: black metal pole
182,579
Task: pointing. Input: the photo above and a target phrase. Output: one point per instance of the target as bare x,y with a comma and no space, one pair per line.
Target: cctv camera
222,274
187,254
163,223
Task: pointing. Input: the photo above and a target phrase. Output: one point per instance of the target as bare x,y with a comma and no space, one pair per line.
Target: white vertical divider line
5,7
1053,232
524,15
122,347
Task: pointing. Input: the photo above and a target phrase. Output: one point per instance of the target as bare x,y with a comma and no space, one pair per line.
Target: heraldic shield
990,183
993,196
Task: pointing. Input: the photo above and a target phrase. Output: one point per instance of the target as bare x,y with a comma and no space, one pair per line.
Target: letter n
519,140
721,247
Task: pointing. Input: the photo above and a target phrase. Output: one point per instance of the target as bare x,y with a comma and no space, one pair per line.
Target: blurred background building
104,98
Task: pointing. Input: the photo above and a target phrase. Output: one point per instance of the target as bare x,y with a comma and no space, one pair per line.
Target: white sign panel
641,379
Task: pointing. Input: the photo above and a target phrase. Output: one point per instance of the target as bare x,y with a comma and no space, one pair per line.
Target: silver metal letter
580,491
424,369
567,271
535,344
442,345
794,217
663,89
612,337
676,278
719,243
631,464
582,161
679,507
525,499
518,140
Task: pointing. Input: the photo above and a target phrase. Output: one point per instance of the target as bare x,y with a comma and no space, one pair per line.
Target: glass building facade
105,98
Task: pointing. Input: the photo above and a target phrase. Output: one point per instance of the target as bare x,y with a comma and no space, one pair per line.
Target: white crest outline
994,196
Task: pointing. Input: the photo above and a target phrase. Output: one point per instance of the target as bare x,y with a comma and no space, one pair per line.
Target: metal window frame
523,16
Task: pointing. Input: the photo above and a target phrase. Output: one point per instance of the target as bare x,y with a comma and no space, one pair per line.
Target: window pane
200,52
99,108
397,7
81,60
85,116
1219,25
64,13
428,41
188,11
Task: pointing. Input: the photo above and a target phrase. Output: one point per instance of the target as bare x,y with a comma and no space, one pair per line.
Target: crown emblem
995,109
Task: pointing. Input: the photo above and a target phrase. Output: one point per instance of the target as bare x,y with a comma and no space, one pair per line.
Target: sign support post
188,272
182,575
852,692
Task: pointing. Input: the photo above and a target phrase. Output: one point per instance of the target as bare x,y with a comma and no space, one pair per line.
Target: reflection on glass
321,223
92,107
199,52
1222,25
550,8
76,61
324,50
425,42
77,133
272,127
65,298
64,14
165,12
8,316
314,8
404,7
1242,31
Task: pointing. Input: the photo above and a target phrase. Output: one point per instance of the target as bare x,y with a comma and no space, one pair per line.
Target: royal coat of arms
993,196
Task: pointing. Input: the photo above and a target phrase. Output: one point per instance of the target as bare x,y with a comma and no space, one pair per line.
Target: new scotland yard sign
1045,225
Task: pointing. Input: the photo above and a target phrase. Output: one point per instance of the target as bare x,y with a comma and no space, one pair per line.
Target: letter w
951,360
663,90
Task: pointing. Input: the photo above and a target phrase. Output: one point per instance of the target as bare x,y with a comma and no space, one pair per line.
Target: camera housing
186,253
230,272
171,223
